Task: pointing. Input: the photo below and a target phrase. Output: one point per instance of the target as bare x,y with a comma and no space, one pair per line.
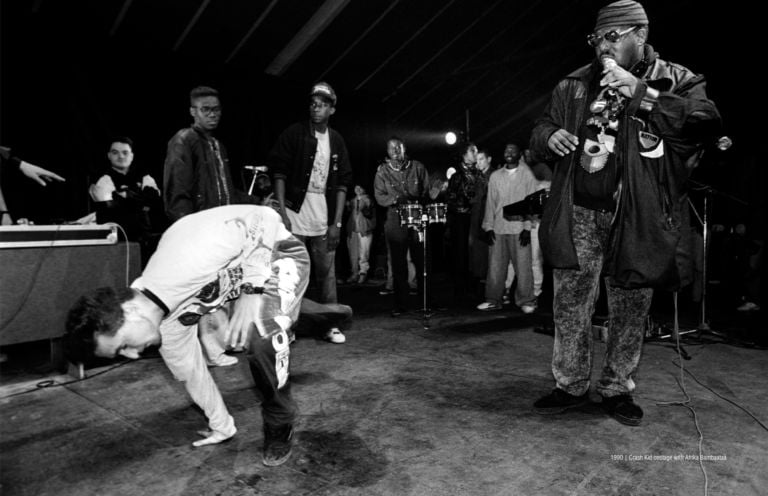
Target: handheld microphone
608,63
723,143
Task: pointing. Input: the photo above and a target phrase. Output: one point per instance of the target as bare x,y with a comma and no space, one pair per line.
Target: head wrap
621,13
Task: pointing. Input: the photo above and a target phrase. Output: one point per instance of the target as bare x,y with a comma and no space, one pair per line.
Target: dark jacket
139,210
292,158
462,188
395,187
650,238
192,179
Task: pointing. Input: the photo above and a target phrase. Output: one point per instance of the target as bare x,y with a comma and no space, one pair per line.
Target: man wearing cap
312,173
623,133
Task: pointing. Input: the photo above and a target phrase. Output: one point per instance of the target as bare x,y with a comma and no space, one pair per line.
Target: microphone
723,143
608,63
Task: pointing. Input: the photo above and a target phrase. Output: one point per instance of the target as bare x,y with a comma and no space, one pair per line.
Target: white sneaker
222,360
528,308
488,306
334,335
748,306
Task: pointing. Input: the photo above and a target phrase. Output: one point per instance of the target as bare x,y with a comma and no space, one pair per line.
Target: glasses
611,36
209,110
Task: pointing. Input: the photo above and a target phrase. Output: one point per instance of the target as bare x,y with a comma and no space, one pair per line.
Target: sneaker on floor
334,335
222,360
386,291
558,401
623,409
748,306
487,306
278,443
363,279
528,308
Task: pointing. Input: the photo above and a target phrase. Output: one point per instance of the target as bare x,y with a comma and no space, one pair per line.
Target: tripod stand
704,221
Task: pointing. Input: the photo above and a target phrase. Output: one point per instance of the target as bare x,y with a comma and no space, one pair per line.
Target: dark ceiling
416,68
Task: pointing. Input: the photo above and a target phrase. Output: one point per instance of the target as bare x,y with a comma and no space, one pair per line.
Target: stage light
450,138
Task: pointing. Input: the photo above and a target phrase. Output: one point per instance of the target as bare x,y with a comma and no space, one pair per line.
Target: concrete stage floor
400,410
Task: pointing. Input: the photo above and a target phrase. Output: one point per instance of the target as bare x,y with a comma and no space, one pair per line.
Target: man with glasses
197,177
312,174
623,133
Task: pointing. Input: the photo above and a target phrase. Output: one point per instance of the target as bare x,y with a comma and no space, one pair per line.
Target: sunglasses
611,36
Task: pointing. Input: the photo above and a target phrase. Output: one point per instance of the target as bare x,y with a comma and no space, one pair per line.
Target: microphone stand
704,220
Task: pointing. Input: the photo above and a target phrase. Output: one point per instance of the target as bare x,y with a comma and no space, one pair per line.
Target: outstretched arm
38,174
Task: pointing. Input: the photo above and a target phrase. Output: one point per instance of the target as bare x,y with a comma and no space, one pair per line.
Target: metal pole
466,124
703,325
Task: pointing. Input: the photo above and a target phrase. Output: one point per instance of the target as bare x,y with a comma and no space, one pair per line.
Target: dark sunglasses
611,36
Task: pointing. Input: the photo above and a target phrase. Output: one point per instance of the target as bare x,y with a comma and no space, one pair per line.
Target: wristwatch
338,224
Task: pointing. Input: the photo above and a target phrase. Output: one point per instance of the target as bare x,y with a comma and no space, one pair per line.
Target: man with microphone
622,133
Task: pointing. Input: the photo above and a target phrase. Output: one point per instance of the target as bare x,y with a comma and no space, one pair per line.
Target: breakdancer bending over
240,256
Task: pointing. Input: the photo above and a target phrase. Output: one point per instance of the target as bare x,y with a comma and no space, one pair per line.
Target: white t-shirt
204,258
312,219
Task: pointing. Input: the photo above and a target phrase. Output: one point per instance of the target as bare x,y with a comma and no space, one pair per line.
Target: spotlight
450,138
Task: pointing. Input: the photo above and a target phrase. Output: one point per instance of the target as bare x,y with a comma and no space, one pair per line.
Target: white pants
359,246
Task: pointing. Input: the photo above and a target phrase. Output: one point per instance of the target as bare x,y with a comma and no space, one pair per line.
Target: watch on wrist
338,224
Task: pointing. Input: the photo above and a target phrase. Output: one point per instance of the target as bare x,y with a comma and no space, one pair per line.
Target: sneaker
363,279
623,409
487,306
386,291
748,306
528,308
558,401
222,360
334,335
278,443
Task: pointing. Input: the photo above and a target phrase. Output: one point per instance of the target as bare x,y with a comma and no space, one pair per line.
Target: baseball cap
324,89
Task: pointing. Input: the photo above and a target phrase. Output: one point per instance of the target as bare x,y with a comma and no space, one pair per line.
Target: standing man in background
312,174
478,242
510,239
196,177
399,181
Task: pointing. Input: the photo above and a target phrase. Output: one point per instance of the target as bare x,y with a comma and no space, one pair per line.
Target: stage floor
400,410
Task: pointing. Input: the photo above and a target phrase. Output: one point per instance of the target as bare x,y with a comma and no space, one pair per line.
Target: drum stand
423,235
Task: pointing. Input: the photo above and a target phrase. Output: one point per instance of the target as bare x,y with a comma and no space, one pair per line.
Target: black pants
458,228
400,239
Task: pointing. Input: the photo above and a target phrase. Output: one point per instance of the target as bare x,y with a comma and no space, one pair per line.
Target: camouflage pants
576,291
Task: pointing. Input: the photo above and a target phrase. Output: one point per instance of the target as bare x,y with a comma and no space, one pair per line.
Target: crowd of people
611,152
